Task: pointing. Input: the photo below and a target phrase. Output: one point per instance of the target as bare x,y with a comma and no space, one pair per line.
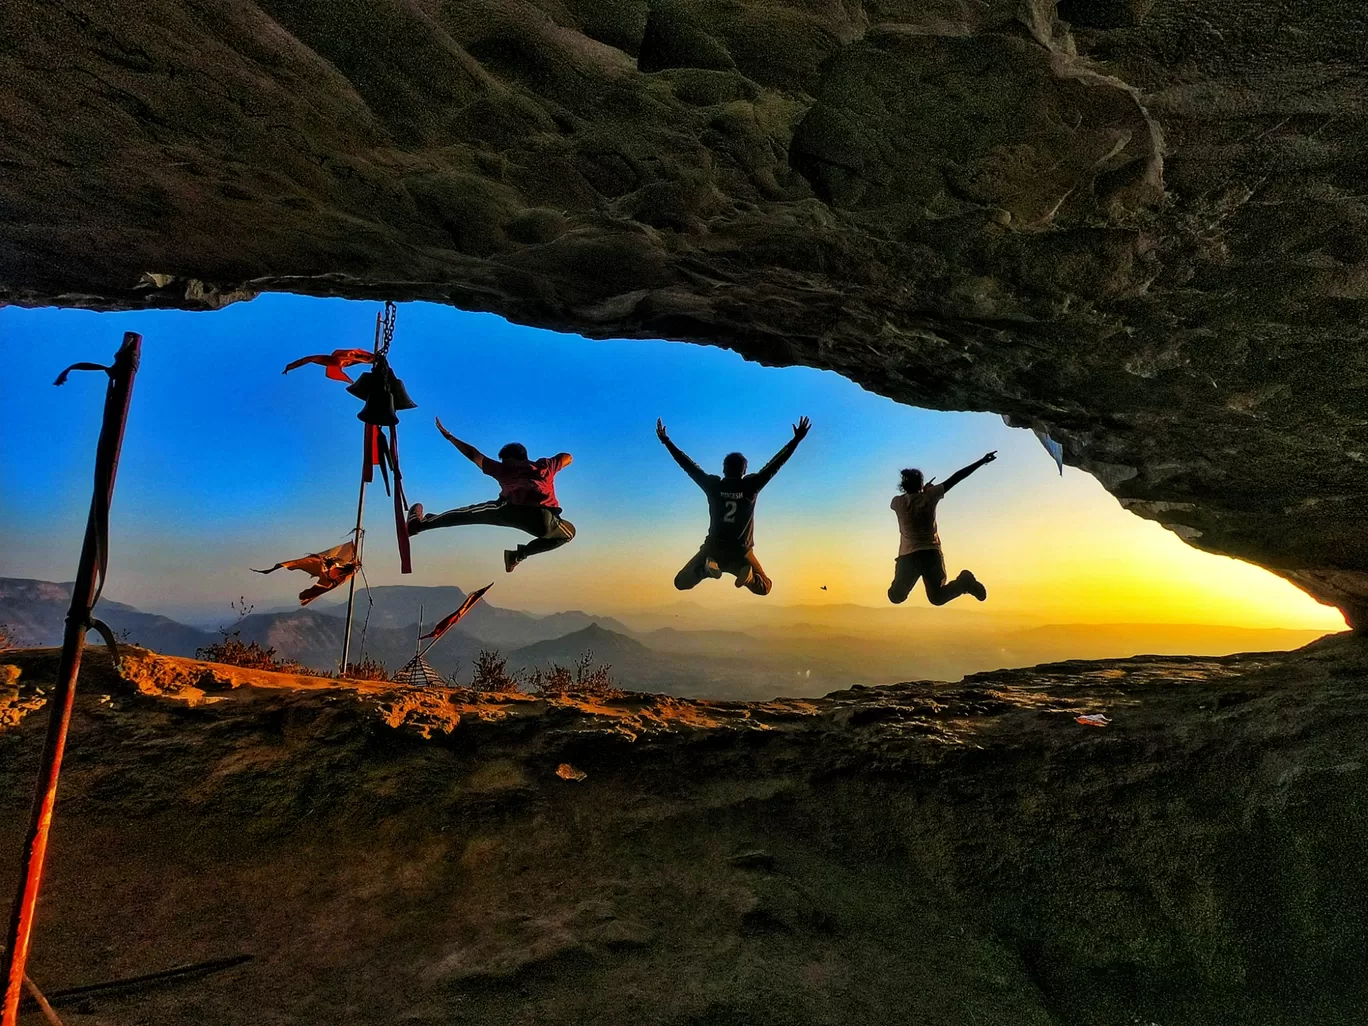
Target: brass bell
400,393
383,393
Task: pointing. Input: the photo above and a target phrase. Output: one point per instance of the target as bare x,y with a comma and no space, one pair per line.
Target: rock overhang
1138,224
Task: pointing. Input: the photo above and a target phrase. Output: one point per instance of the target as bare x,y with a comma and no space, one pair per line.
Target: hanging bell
383,393
400,393
379,401
379,409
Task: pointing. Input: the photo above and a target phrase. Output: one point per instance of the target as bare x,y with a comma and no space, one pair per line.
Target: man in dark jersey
527,500
731,515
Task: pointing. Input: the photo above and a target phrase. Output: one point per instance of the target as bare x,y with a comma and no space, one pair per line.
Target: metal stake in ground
360,512
85,593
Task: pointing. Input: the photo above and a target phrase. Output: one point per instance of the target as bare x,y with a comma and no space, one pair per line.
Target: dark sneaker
415,518
511,560
744,577
972,585
711,569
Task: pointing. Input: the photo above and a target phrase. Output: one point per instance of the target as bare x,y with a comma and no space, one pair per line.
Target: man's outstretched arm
466,449
771,468
964,472
690,467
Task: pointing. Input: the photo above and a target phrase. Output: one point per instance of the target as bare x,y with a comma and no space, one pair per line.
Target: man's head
733,465
513,451
912,480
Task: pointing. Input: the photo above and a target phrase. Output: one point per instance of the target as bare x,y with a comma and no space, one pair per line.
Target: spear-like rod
84,593
359,535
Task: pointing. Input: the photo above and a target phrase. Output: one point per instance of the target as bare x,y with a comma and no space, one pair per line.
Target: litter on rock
567,772
1093,720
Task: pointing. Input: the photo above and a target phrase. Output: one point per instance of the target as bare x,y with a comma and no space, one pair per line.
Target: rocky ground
925,853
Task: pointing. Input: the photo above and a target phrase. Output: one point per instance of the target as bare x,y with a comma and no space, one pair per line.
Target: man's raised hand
988,458
801,429
445,433
660,430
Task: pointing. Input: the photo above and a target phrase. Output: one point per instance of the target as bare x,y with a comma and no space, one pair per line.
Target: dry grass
233,651
491,673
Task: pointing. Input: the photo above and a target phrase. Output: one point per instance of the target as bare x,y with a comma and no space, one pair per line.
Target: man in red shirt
527,500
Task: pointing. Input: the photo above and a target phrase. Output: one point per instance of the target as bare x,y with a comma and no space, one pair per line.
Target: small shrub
367,669
233,651
490,673
585,678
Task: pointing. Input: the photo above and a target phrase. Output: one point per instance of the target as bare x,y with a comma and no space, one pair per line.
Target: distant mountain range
400,606
820,649
35,612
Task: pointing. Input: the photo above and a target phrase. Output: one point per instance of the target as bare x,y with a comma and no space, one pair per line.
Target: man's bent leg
758,583
558,532
692,572
938,590
905,574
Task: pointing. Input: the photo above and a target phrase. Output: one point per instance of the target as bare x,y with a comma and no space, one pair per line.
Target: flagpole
85,591
360,537
478,595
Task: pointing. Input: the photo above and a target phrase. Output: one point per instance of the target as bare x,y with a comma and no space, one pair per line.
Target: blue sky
229,464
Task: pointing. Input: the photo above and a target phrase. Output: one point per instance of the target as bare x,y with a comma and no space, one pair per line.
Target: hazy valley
797,651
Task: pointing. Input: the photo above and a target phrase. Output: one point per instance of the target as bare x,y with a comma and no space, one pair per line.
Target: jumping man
919,554
731,515
527,500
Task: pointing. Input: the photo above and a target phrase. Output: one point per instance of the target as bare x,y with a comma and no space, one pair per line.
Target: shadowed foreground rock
1140,224
937,854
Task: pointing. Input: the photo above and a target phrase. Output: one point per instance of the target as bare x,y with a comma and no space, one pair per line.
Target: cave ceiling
1139,224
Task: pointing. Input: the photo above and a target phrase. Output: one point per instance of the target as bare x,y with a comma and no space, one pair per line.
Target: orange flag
332,567
450,621
334,362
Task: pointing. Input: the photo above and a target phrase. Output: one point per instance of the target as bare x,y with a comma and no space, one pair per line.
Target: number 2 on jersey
731,511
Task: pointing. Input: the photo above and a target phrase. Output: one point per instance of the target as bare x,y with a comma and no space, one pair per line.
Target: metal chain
387,336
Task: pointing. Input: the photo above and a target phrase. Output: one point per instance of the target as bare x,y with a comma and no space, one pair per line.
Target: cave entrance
228,464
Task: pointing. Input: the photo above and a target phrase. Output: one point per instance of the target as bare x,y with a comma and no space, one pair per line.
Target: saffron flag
331,567
450,621
334,362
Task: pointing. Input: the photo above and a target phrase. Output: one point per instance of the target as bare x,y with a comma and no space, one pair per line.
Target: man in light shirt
919,553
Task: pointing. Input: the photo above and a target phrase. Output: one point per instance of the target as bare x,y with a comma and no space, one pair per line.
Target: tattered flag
334,362
331,567
450,621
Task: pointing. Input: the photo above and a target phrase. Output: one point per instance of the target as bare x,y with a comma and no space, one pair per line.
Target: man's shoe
415,518
972,585
711,569
744,578
511,560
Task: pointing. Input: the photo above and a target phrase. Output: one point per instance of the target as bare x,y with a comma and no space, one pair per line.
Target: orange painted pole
85,592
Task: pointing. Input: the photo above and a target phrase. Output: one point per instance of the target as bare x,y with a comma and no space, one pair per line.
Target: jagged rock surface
929,853
1138,223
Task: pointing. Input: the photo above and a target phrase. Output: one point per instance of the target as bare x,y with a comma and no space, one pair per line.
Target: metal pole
351,589
360,510
83,595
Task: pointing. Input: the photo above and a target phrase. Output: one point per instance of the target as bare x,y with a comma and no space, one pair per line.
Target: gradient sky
229,464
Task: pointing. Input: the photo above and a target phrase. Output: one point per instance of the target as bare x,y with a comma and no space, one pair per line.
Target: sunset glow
228,464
